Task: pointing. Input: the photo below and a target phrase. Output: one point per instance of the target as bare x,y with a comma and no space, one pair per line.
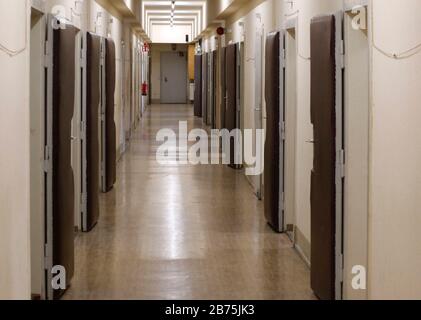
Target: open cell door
327,175
204,87
210,106
275,131
108,127
91,56
198,85
60,56
223,88
214,87
232,110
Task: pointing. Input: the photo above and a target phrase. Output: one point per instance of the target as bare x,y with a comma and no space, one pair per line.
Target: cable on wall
12,53
406,54
288,15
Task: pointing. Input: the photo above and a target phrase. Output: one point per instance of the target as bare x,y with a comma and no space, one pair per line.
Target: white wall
116,33
168,34
126,55
15,282
395,177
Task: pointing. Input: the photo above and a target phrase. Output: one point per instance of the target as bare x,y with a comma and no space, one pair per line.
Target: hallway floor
183,232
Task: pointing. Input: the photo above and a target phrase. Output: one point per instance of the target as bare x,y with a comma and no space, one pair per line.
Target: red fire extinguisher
144,89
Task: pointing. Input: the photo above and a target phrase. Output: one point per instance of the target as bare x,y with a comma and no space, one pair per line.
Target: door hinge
283,58
47,256
282,131
82,130
47,60
282,202
340,271
47,158
82,58
342,54
83,201
341,163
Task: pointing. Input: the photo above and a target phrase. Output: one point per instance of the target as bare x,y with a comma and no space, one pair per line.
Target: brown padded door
231,101
198,85
63,179
223,87
111,131
215,64
272,144
92,128
323,174
204,87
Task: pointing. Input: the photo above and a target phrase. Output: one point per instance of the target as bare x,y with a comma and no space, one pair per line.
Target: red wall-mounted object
145,47
220,31
144,89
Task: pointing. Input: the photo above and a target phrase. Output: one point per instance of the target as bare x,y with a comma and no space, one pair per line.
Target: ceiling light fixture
172,12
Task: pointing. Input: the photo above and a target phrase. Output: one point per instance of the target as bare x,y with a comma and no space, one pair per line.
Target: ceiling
163,14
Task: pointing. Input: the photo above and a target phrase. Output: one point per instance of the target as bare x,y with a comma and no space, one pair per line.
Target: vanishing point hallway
183,232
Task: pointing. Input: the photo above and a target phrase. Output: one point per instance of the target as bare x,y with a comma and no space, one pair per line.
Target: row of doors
326,178
69,70
330,122
228,114
99,138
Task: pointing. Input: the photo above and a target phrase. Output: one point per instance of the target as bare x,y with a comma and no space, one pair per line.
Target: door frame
103,110
291,26
83,137
282,136
47,290
239,91
210,90
204,88
258,102
37,160
340,151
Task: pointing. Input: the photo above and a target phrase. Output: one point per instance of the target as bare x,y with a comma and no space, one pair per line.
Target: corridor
98,203
183,232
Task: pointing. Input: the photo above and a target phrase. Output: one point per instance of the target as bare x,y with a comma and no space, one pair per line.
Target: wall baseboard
302,246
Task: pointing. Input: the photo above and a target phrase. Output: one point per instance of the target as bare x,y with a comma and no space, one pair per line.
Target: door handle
166,79
311,141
